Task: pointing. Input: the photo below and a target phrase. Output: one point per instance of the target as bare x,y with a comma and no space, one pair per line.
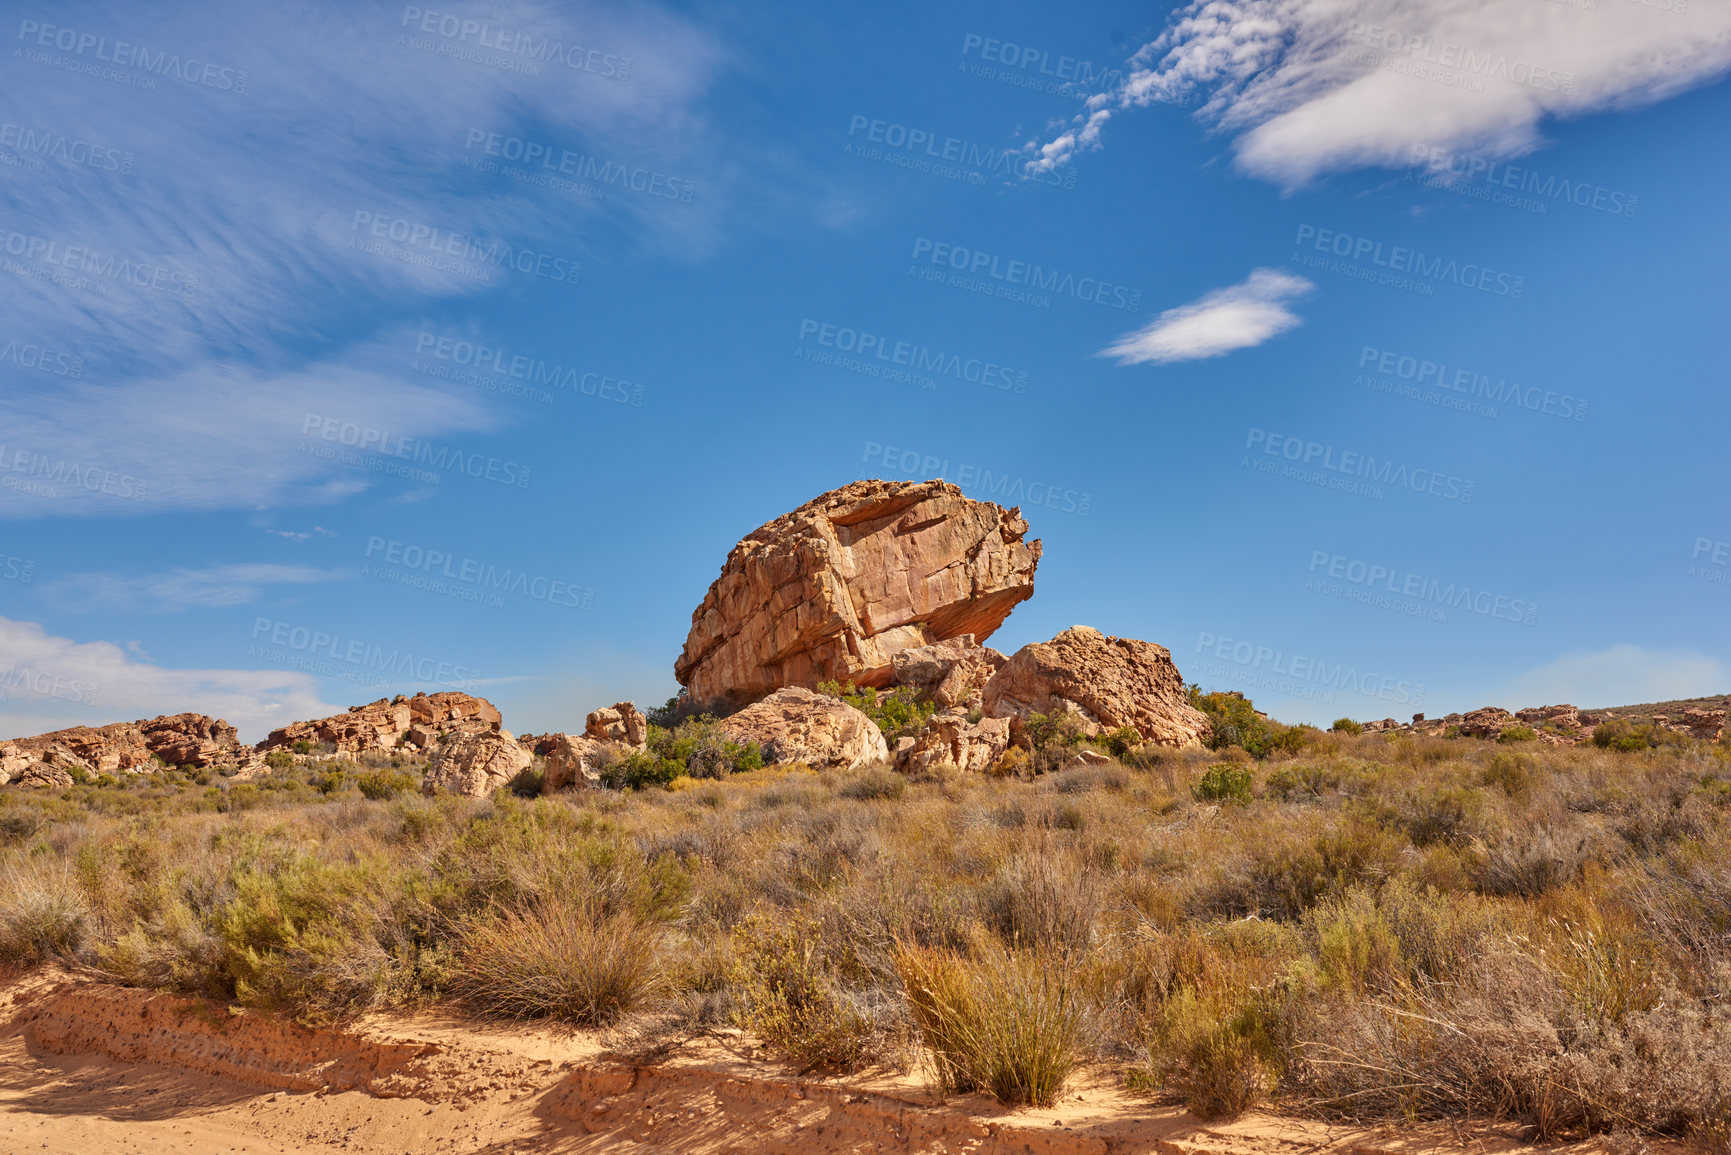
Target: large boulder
1485,722
475,764
571,762
619,722
382,725
1106,682
838,587
797,725
195,740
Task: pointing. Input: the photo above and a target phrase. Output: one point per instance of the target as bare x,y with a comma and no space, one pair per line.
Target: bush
382,784
696,747
1235,722
1622,735
901,713
566,959
873,784
1512,734
1010,1023
43,915
1346,726
279,759
785,975
1223,782
303,747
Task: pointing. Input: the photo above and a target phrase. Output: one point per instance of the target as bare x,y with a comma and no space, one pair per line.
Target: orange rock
838,587
1107,682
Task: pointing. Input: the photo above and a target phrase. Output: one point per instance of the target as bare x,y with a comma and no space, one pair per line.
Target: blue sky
1363,354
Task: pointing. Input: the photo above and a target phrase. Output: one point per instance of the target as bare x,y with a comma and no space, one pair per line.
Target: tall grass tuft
43,914
564,959
1010,1022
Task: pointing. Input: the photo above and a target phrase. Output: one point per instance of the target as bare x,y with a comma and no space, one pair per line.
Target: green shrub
1224,782
1120,742
1346,726
1511,772
382,784
784,972
1622,735
279,759
1235,722
639,771
900,713
1511,734
303,747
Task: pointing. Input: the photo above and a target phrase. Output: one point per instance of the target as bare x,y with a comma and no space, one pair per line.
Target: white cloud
179,589
1313,86
1621,675
1236,317
49,682
212,438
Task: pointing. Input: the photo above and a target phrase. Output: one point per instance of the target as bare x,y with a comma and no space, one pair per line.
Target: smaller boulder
799,725
475,764
619,722
571,762
949,739
950,671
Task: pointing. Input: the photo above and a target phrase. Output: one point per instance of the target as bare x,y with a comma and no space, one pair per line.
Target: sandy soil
87,1069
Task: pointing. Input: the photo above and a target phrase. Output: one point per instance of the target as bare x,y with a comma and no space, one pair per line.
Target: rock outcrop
475,764
573,762
951,672
949,739
799,725
388,722
838,587
619,722
193,740
1106,682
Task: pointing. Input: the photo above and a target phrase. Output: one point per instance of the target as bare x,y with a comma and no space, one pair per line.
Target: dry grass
1386,929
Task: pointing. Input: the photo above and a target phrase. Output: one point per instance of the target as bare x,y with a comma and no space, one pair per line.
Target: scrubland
1357,926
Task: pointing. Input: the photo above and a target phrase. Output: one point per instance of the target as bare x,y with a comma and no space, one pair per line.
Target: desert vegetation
1343,924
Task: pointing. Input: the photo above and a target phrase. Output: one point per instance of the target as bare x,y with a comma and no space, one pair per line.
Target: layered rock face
1106,682
840,586
194,740
381,725
952,671
475,764
799,725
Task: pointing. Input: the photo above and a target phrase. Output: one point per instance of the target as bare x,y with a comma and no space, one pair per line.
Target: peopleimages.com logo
128,55
1424,373
304,648
975,263
1298,675
1399,259
1402,591
892,354
1353,467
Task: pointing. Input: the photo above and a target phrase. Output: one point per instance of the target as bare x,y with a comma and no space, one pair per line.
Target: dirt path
87,1069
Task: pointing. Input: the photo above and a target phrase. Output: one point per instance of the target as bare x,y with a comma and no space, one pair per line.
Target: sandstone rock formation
838,587
1107,682
798,725
383,724
42,776
618,723
949,739
194,740
573,762
951,671
1485,722
475,764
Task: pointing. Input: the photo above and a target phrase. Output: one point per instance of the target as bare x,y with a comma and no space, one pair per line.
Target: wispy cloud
1237,317
49,682
1314,86
179,589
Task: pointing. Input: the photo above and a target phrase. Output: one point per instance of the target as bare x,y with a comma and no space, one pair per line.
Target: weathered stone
176,739
799,725
1085,758
42,776
838,587
475,764
1563,717
949,739
1107,682
381,725
1485,722
618,723
572,762
1704,724
950,671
